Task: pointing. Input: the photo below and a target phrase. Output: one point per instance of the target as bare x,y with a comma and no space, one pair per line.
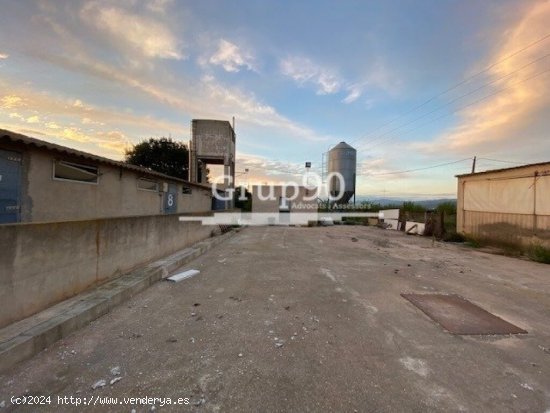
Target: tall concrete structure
212,143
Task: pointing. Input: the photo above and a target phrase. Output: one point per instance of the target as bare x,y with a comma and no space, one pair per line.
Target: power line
457,98
459,108
417,169
455,86
502,161
389,194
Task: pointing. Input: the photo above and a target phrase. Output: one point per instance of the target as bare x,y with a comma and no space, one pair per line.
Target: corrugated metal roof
38,143
513,168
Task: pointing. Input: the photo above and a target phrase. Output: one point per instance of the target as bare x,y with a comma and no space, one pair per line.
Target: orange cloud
499,118
11,102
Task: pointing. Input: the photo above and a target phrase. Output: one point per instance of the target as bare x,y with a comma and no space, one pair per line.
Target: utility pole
474,165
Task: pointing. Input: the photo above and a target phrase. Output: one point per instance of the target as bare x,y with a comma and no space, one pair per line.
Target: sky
410,84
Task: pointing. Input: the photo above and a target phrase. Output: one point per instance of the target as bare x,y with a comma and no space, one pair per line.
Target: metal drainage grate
460,316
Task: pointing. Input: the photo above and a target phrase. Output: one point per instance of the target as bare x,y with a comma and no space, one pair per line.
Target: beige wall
43,264
259,205
46,199
510,206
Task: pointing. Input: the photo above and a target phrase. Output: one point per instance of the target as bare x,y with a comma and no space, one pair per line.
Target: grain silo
342,159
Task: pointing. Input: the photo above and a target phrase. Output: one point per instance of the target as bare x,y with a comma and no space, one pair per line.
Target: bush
448,207
453,237
409,206
473,242
539,253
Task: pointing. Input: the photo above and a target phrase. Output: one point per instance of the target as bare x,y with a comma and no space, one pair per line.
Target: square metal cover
459,316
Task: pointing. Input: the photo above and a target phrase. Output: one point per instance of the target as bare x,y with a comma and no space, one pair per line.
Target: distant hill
433,203
426,203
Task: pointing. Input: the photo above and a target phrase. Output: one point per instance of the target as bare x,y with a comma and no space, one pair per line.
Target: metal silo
342,159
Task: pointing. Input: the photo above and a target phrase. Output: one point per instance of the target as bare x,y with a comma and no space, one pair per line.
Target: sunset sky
299,76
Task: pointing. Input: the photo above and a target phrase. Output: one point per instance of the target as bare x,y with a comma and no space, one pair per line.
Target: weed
539,253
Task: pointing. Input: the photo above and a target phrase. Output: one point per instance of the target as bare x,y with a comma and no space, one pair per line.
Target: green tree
244,204
162,155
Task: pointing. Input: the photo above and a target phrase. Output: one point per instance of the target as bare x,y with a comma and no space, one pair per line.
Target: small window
69,171
186,190
148,185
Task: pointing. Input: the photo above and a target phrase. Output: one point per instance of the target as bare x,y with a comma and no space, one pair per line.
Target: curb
25,338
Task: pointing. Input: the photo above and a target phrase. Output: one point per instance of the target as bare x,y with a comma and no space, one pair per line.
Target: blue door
10,178
171,199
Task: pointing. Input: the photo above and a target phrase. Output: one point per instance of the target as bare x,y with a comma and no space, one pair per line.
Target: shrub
539,253
409,206
473,242
448,207
453,237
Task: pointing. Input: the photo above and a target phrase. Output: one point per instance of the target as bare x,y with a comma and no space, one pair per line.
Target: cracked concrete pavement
285,319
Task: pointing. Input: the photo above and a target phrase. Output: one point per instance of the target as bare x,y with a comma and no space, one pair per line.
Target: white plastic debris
183,275
115,380
326,222
527,386
115,371
202,400
98,384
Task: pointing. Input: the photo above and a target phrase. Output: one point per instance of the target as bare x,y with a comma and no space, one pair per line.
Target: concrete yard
285,319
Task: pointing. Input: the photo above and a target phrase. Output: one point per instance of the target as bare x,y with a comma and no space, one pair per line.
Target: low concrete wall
42,264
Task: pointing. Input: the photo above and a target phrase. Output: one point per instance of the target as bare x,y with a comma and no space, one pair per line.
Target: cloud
33,119
31,102
4,56
302,70
381,77
159,6
231,57
115,141
52,125
207,98
11,102
354,92
60,116
75,50
372,168
78,103
110,143
327,81
264,170
249,109
500,119
74,134
88,121
143,34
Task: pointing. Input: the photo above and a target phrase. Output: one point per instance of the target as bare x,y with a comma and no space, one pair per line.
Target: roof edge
513,168
39,143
